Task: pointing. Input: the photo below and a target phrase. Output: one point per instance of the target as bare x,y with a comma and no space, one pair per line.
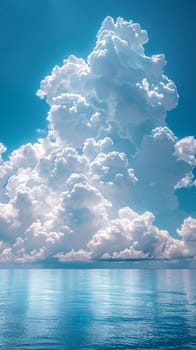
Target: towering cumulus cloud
102,183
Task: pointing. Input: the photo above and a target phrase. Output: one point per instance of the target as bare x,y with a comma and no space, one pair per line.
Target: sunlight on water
97,309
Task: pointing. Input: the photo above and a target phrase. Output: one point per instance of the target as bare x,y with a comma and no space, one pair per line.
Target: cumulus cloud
107,169
131,235
186,247
185,149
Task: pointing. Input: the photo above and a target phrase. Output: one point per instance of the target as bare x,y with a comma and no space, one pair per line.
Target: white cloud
89,187
80,255
72,119
132,85
187,181
118,84
185,149
92,147
188,230
129,236
158,171
186,247
71,77
2,150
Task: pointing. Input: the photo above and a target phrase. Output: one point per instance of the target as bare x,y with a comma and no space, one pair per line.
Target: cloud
118,85
186,247
136,92
2,150
159,170
129,236
187,181
185,149
80,255
103,177
134,236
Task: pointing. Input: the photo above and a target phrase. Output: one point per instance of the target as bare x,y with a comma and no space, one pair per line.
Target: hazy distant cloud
108,166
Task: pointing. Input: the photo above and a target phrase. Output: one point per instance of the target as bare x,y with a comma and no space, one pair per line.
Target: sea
97,309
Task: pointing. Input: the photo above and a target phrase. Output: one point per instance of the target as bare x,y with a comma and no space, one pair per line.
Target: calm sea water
97,309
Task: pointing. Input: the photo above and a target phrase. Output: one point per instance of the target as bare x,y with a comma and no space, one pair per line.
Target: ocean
97,309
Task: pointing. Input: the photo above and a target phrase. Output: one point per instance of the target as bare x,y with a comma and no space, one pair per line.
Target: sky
104,168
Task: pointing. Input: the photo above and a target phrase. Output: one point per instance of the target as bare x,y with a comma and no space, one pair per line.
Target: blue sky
112,175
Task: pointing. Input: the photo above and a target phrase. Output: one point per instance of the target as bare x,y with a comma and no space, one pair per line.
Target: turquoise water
97,309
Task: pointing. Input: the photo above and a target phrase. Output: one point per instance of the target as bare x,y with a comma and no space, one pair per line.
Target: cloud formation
107,171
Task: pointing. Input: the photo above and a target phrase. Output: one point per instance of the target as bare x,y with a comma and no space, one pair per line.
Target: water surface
97,309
